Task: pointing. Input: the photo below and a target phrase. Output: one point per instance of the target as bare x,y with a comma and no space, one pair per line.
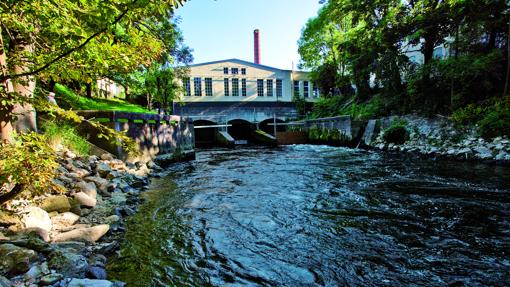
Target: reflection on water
320,216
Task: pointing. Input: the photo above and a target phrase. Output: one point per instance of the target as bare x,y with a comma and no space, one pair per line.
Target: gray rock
98,260
64,219
483,152
58,203
70,154
4,282
501,155
89,188
15,260
103,169
36,271
37,218
107,156
85,200
96,272
51,278
68,263
89,283
86,234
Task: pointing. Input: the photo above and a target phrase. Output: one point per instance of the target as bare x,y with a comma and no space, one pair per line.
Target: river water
320,216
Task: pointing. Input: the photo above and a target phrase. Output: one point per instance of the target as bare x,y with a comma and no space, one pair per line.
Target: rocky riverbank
65,239
439,137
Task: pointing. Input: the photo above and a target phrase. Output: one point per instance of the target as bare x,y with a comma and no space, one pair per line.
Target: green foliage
338,105
496,123
470,114
325,136
65,134
397,133
68,99
365,43
29,162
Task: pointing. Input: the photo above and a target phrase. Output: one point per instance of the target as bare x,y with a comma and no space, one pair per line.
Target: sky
223,29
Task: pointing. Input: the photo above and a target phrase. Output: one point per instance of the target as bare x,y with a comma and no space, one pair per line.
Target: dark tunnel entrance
241,130
266,126
204,137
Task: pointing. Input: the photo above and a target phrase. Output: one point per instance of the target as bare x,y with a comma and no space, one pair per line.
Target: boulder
101,183
15,260
106,156
75,282
103,169
37,218
58,203
96,272
89,188
483,152
4,282
85,200
87,234
64,219
41,233
7,219
68,263
36,271
50,279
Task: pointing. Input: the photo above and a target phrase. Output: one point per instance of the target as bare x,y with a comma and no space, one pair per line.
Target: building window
208,87
198,86
187,87
296,89
279,88
269,86
235,71
243,87
305,87
235,87
225,85
260,87
243,71
225,71
315,91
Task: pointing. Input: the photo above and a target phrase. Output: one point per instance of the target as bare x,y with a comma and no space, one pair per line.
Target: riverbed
319,216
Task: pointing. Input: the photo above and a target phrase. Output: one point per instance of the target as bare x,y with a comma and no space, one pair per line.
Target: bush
496,123
65,134
468,115
397,133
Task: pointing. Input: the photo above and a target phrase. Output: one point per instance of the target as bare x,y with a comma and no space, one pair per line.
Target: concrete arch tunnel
241,130
205,137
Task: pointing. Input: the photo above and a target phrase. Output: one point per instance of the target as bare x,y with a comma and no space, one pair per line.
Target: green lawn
66,98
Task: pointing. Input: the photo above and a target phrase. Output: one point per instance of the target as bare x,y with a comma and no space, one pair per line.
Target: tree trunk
17,189
24,88
88,87
6,94
505,92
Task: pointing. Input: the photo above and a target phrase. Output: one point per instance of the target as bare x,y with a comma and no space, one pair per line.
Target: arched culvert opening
241,130
204,137
268,127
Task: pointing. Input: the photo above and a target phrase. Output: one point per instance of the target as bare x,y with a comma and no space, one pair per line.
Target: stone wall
155,134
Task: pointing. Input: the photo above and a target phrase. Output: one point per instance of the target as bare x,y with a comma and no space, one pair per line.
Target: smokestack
256,45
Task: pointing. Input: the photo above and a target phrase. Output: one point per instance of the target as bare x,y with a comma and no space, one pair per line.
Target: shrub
65,134
470,114
496,123
397,133
28,164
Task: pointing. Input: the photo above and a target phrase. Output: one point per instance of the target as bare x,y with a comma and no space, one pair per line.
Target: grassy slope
76,102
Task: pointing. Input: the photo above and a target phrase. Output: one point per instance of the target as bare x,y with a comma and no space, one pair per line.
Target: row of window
235,87
234,71
306,89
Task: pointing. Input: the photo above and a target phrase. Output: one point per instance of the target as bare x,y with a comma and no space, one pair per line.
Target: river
320,216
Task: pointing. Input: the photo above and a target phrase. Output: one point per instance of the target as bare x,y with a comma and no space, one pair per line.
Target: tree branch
68,52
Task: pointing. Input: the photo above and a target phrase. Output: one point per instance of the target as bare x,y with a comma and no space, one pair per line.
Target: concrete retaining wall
155,134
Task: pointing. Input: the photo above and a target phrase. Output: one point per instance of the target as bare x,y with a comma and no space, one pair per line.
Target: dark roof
240,62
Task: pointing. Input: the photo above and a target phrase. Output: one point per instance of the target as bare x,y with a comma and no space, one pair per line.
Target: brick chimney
256,45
